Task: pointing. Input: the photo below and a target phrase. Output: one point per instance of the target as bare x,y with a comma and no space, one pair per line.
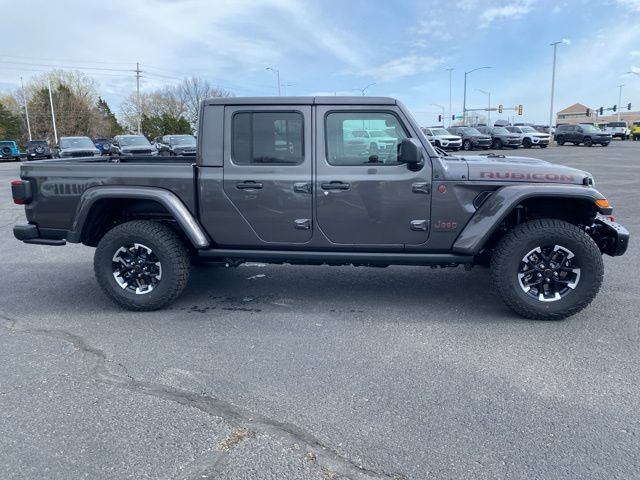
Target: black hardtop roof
336,100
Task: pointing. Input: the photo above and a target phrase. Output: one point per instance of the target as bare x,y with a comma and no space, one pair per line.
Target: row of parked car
120,145
485,137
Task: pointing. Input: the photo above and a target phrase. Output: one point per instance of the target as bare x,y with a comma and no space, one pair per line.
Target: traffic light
500,108
628,106
615,108
520,109
588,112
439,118
453,117
601,110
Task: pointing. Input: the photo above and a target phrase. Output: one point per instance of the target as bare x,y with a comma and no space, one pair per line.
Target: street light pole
620,100
464,100
277,74
553,78
440,106
488,107
450,112
363,90
26,109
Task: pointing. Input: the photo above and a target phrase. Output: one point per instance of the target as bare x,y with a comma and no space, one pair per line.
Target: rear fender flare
167,199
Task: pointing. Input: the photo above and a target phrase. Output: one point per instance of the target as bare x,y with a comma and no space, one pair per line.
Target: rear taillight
21,191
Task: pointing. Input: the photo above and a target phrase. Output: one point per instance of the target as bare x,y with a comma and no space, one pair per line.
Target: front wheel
560,141
466,145
547,269
526,143
588,142
142,265
497,144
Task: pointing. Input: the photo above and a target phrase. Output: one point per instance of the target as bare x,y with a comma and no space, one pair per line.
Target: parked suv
9,150
501,137
75,147
471,137
577,134
441,138
529,136
172,145
37,149
124,145
103,144
635,130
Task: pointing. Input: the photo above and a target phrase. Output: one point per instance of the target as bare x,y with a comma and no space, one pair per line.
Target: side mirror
410,151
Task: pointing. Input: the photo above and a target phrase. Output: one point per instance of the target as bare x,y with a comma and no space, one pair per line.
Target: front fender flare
496,208
167,199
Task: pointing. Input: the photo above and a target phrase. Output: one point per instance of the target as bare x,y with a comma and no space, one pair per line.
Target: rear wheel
142,265
543,146
605,144
547,269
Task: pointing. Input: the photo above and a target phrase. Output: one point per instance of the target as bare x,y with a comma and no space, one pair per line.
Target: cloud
401,67
632,5
635,53
515,9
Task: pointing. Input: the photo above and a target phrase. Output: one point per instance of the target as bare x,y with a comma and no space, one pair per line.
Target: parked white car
530,137
439,137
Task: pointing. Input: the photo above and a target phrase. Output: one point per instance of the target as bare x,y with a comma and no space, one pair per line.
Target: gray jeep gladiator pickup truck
278,180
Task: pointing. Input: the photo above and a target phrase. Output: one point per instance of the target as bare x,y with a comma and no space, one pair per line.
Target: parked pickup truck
273,181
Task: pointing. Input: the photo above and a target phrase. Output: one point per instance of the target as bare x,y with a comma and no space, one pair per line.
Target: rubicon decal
540,177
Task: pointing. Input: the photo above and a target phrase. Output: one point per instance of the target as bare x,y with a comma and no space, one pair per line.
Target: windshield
440,131
636,124
470,131
136,141
617,124
377,133
589,129
360,134
500,130
182,140
77,142
528,129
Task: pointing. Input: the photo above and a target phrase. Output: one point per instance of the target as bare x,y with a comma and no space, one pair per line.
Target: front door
267,171
363,195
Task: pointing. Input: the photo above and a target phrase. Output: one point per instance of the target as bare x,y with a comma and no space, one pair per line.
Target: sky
327,47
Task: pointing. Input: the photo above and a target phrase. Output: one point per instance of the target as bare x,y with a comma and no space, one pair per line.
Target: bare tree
194,90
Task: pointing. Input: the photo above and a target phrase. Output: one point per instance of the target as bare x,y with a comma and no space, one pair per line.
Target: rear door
267,170
367,198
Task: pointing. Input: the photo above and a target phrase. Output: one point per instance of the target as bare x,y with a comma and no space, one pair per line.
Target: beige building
577,113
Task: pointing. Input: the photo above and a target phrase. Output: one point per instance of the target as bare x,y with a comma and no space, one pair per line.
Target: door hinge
302,187
421,187
419,225
302,224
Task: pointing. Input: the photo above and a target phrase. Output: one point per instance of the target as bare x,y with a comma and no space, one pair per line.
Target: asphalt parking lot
268,372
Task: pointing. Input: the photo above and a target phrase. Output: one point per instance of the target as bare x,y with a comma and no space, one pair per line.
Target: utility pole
488,106
53,115
277,74
619,100
26,110
553,78
138,96
450,112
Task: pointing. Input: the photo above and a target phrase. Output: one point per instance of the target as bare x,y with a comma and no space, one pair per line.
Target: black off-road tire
166,245
508,255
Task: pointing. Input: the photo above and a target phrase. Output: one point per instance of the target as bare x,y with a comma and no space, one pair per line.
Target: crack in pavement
241,419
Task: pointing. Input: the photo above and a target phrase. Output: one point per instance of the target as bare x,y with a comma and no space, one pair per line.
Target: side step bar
236,256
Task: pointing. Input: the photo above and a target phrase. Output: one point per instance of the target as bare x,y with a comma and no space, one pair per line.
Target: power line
66,66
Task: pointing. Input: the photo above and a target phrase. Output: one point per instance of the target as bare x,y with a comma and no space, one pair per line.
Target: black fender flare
501,202
167,199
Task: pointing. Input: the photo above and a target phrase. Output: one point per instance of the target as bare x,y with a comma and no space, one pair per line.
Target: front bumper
611,237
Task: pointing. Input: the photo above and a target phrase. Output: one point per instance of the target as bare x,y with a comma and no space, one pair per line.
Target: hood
499,168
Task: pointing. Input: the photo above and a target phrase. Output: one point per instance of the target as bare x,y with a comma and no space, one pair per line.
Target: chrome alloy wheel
548,273
136,268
